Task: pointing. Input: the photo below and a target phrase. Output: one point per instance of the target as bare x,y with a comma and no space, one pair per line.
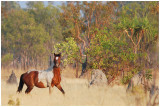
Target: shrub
69,50
148,74
7,59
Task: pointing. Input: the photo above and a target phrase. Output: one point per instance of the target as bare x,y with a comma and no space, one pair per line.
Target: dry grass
77,93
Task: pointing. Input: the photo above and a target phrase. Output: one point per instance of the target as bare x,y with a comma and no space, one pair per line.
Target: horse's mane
47,70
50,68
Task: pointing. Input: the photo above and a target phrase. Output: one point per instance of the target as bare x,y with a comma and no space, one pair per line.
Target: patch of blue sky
23,4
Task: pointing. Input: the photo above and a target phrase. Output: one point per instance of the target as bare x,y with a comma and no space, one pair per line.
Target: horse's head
57,58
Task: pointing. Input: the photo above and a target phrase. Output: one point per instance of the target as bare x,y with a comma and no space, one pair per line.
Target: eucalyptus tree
8,7
48,16
24,37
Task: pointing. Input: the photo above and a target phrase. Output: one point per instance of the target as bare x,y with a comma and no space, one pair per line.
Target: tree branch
130,37
140,37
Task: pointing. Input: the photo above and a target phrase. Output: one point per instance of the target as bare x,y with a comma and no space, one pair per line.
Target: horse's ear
59,54
54,54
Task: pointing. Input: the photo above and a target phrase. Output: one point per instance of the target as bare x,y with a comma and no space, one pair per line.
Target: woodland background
121,38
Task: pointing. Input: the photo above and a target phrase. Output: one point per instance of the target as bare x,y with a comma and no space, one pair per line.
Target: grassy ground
77,93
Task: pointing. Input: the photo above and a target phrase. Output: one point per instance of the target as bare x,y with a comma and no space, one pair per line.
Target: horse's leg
60,88
50,89
28,90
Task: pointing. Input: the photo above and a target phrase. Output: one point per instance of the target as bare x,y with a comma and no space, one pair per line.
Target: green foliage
26,36
49,18
139,32
6,59
125,79
129,75
106,51
69,50
31,33
148,74
136,16
98,29
10,5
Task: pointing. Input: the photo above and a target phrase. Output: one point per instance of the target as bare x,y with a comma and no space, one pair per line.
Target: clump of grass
17,102
11,102
138,89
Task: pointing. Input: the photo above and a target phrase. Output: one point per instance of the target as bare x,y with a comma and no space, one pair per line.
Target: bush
105,51
148,74
130,74
125,79
7,58
69,50
109,53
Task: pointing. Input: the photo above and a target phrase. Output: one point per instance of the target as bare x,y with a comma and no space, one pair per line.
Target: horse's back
30,78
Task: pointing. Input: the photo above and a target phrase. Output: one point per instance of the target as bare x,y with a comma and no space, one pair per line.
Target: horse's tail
21,83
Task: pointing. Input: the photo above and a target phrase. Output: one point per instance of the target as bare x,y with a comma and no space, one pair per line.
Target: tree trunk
28,62
117,70
123,74
13,63
135,49
50,61
36,63
145,83
24,64
76,69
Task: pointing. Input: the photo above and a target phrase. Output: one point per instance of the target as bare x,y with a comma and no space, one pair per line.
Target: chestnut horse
42,79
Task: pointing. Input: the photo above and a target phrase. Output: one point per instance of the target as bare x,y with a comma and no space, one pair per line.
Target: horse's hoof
64,94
